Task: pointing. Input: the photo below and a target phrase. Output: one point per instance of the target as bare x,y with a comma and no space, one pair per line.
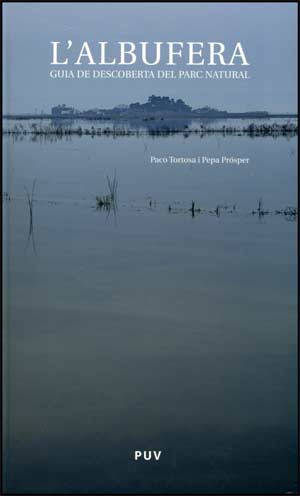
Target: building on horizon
160,104
62,111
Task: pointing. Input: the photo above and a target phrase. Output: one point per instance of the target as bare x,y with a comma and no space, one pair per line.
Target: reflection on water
150,124
160,331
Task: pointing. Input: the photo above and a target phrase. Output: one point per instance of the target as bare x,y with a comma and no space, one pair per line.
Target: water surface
150,329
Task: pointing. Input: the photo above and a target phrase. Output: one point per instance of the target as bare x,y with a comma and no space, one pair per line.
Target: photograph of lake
150,332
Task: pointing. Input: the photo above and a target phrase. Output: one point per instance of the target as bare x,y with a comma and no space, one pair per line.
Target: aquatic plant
113,187
109,200
30,200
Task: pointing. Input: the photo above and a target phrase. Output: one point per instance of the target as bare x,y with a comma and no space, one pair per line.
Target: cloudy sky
267,31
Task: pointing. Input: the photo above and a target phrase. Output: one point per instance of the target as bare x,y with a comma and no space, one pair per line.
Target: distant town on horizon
156,106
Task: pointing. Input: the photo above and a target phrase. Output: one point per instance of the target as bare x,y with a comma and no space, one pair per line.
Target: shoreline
118,117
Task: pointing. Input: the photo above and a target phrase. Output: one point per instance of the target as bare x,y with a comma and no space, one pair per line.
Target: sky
267,31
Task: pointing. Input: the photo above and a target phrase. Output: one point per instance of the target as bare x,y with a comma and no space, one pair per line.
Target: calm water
150,329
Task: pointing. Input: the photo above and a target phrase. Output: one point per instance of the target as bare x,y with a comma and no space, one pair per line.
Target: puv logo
147,455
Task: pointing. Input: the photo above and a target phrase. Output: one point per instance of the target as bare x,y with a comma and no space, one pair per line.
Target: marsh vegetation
252,129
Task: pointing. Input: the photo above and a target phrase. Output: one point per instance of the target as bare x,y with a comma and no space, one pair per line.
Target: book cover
150,248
